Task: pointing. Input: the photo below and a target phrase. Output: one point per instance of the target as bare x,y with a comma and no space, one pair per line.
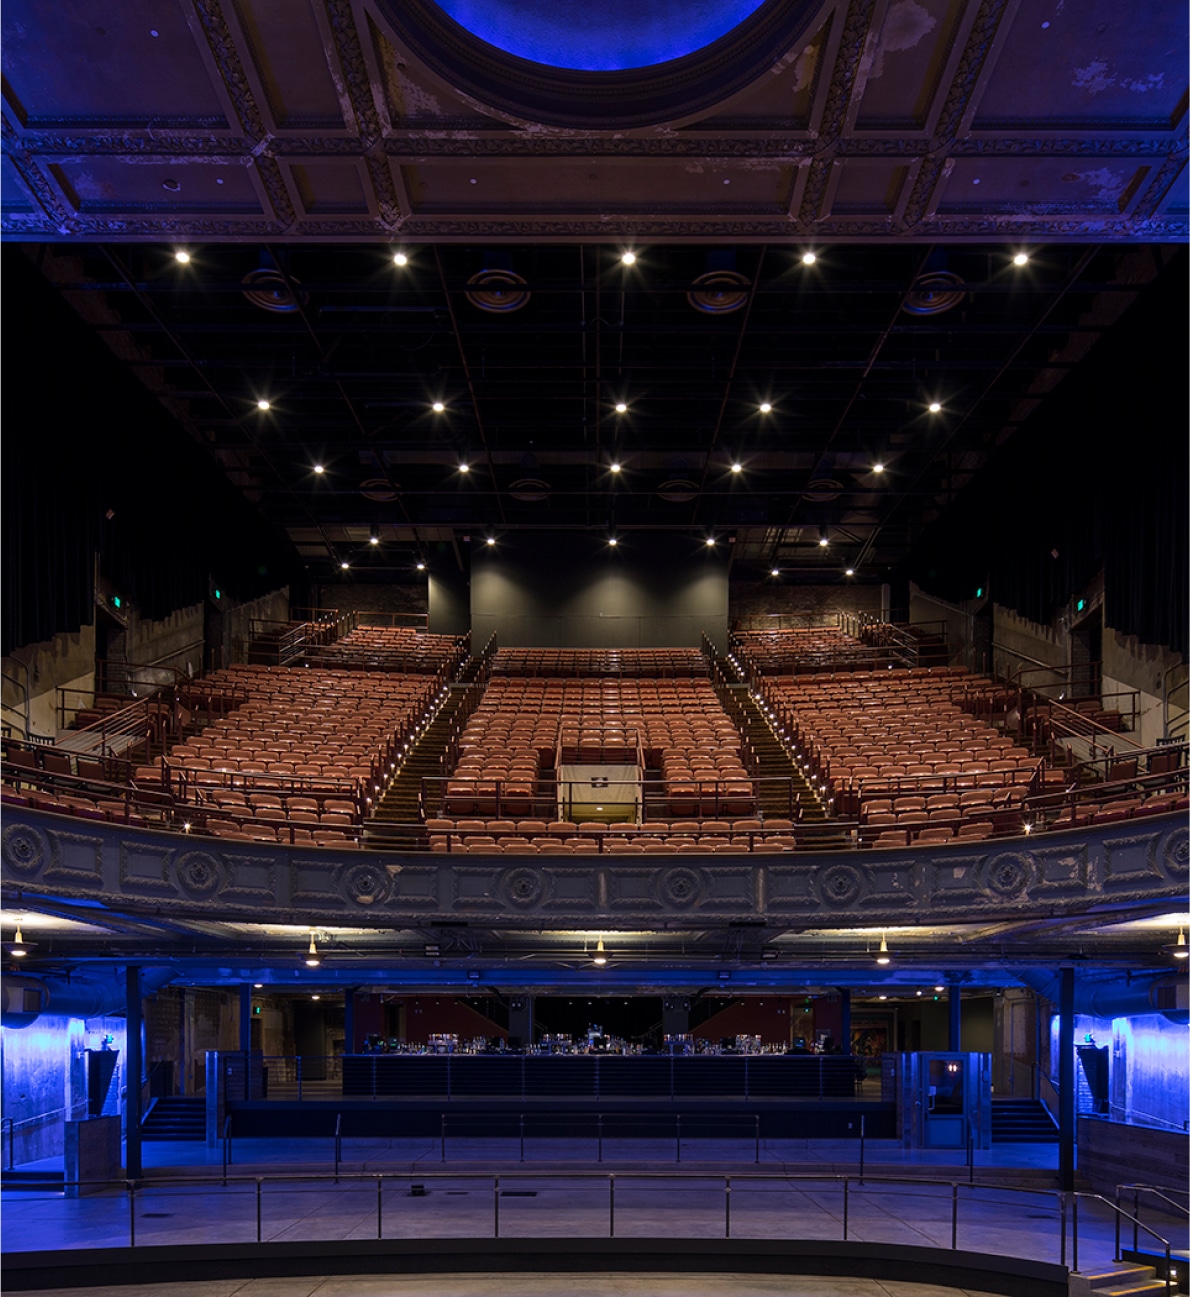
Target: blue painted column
133,1070
1066,1080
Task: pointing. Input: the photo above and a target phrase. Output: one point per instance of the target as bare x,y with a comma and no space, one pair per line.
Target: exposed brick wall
764,598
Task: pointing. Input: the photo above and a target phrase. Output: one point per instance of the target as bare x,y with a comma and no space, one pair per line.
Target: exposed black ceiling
351,351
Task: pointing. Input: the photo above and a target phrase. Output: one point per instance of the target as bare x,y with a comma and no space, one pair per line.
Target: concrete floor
799,1190
533,1285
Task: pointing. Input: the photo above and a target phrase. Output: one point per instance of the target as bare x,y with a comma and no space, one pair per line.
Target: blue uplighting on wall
609,36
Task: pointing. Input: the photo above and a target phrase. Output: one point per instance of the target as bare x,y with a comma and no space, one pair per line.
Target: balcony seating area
390,648
904,752
301,759
641,664
798,651
672,728
565,838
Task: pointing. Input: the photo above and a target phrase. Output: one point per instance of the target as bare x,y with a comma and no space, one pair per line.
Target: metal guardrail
848,1187
1120,1216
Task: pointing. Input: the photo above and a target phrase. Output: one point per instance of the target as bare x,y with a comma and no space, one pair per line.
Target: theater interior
444,436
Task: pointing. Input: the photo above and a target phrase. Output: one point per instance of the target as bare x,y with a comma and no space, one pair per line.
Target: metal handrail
1120,1214
25,689
734,1178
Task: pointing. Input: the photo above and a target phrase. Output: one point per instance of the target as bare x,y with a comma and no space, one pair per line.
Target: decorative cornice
408,145
934,168
1074,872
852,44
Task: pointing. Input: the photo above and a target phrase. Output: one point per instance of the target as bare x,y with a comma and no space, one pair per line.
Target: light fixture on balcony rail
313,958
882,955
1179,950
599,958
19,947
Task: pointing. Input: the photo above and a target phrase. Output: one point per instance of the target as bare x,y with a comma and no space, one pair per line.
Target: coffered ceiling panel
288,44
96,67
819,120
1093,65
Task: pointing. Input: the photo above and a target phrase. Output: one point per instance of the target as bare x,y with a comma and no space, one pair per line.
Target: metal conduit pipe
24,998
1144,993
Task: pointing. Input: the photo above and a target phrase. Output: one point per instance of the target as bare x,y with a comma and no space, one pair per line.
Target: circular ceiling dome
604,37
615,64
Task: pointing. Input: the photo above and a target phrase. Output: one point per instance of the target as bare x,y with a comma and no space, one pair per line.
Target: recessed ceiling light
935,406
849,572
877,467
421,567
344,565
491,540
614,466
464,467
808,258
373,540
621,408
400,259
1021,259
628,258
612,541
182,256
765,407
737,467
318,468
710,541
775,572
262,404
257,986
823,541
438,407
316,997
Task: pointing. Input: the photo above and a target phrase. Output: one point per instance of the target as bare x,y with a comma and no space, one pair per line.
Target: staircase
815,831
177,1117
1116,1279
389,828
1022,1121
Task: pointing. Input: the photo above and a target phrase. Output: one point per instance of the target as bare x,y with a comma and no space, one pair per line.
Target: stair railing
1162,1194
1120,1216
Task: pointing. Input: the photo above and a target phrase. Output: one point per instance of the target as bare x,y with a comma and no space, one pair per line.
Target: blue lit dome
599,64
610,35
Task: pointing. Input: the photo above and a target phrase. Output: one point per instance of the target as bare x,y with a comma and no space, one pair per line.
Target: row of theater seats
899,732
794,652
565,837
325,738
389,649
638,663
66,803
1122,808
524,728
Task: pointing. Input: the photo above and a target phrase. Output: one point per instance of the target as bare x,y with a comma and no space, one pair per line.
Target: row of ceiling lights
264,405
627,258
612,542
599,956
